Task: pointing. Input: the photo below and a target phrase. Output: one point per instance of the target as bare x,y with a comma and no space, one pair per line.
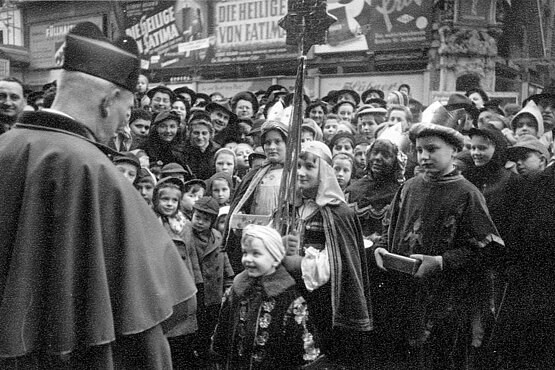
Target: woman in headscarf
259,190
325,254
370,197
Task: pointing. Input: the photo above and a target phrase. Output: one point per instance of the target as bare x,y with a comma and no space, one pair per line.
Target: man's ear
108,101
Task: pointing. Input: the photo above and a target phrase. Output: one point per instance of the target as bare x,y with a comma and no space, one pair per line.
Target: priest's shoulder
58,145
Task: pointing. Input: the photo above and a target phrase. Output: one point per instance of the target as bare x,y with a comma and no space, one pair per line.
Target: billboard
248,30
378,25
47,38
169,33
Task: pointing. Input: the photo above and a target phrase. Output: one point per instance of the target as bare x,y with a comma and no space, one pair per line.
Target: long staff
306,24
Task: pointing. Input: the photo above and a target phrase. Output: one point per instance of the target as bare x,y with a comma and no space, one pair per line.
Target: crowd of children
376,177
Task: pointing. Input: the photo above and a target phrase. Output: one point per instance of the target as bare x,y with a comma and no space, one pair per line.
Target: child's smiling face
168,201
256,259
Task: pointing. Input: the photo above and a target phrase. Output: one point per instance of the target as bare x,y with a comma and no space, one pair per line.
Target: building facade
436,47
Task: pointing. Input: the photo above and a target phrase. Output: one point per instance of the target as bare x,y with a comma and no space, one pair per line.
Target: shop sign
229,88
46,40
378,25
169,33
248,30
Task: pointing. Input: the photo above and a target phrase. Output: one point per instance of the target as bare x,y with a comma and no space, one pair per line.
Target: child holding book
440,219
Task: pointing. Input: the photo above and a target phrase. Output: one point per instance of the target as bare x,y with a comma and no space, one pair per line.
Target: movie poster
170,33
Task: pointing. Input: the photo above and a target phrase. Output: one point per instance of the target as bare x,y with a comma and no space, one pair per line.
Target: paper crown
88,51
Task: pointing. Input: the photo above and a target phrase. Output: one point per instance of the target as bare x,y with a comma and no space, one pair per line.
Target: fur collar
273,284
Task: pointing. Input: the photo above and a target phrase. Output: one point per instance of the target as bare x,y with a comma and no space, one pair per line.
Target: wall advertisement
248,30
169,33
378,25
46,40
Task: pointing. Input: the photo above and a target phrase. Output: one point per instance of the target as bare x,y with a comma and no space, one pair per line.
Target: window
10,27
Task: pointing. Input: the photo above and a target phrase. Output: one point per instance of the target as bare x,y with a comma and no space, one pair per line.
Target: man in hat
546,103
220,115
89,276
161,98
12,102
187,94
368,119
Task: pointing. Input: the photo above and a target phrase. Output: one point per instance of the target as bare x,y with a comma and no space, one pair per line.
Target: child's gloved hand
430,265
378,253
291,243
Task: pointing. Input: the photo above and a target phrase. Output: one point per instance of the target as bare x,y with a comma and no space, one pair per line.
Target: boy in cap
128,164
368,118
529,154
440,221
176,170
105,287
145,183
217,274
194,190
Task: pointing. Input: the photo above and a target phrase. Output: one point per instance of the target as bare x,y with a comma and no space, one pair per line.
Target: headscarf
342,135
329,191
269,237
398,172
220,175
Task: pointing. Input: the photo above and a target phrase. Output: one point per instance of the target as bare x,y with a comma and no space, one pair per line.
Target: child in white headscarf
263,319
326,256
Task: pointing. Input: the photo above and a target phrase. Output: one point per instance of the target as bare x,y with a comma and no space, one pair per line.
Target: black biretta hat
88,51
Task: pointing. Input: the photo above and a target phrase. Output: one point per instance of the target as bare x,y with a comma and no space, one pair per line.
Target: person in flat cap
128,165
368,118
93,276
176,170
441,220
217,275
529,154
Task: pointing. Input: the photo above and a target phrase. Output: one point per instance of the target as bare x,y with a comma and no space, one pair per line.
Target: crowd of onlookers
200,161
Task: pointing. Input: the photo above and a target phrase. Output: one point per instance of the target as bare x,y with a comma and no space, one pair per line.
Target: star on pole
306,23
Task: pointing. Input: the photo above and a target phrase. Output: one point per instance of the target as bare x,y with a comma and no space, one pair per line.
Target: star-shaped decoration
306,22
